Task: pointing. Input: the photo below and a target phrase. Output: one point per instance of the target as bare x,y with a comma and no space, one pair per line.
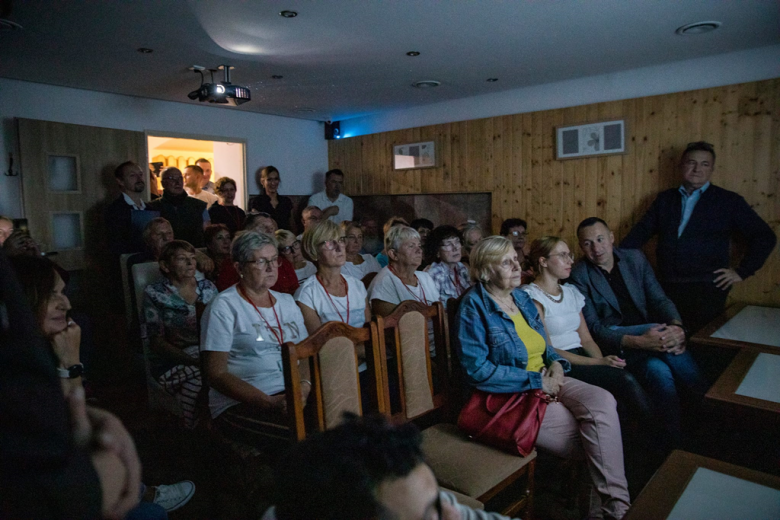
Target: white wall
297,147
714,71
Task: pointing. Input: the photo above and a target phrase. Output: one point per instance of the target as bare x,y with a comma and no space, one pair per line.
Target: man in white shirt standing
206,167
334,204
193,183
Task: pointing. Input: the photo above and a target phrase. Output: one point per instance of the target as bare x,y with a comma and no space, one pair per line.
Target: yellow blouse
533,341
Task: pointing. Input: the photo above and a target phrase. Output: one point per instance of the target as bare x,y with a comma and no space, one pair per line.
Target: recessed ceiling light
276,76
491,80
144,50
697,28
288,14
428,83
413,53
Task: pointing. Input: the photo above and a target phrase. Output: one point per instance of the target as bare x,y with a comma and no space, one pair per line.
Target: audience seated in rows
290,249
392,221
225,211
372,240
472,234
287,280
187,215
242,334
443,253
502,347
357,264
171,311
218,240
269,201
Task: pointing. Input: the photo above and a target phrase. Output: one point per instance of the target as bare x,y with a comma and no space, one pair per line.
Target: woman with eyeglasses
243,331
290,249
269,201
357,265
443,252
516,230
560,307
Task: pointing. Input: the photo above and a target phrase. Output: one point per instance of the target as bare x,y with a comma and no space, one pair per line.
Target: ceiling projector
223,92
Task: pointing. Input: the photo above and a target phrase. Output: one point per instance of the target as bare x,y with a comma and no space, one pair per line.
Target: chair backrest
408,327
461,389
331,354
367,279
144,274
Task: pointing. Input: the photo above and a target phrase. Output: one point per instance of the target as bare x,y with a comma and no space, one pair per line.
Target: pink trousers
585,422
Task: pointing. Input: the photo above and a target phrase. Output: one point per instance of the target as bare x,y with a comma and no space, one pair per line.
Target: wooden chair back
367,279
407,326
331,355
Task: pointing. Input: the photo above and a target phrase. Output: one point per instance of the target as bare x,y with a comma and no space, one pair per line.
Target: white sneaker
174,496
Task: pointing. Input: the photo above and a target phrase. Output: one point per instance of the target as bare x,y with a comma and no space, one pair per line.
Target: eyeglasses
509,264
454,245
354,237
564,256
263,263
330,245
519,234
294,245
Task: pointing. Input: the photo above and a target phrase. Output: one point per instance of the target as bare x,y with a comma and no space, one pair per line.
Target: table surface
694,487
743,326
752,379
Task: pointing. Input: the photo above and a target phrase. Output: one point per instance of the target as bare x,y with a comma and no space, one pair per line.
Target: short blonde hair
313,237
346,225
282,235
486,255
399,234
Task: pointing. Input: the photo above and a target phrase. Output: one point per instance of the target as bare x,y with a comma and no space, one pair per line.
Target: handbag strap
510,403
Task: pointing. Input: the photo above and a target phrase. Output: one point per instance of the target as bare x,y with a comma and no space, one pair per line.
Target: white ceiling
346,58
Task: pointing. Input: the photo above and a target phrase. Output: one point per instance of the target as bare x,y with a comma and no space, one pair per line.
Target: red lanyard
281,330
346,285
419,282
456,281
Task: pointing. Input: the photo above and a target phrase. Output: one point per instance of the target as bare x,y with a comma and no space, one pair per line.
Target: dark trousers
697,302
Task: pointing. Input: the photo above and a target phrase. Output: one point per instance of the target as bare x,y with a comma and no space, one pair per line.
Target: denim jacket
492,355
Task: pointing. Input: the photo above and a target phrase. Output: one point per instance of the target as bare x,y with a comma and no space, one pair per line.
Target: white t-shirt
306,271
231,324
334,308
208,198
369,265
344,203
563,318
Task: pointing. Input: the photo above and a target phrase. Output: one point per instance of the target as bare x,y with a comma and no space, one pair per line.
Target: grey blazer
601,309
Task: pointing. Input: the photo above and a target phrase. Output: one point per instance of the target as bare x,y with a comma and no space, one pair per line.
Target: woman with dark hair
443,253
269,201
218,241
171,312
423,226
225,211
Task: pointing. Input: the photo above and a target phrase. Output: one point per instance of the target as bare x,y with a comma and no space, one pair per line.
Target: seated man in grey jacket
364,469
629,315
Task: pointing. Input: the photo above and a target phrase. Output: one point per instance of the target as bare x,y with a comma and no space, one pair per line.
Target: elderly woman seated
171,310
382,258
218,241
243,331
504,349
290,249
443,253
357,265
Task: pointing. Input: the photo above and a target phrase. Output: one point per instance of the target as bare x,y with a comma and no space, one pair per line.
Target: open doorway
226,158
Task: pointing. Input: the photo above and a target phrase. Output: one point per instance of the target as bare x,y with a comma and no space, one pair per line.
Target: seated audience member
20,243
44,290
290,249
187,215
629,316
515,229
357,265
287,280
364,468
372,240
472,234
171,309
503,349
218,241
310,216
243,331
400,280
193,184
334,204
423,227
260,223
6,228
560,307
443,251
392,221
225,211
269,201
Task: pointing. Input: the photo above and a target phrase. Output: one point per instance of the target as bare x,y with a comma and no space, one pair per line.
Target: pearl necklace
550,296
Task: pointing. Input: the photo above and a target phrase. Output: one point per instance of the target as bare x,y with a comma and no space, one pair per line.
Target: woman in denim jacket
504,349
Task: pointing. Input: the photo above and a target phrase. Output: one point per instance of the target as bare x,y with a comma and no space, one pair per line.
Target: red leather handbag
509,422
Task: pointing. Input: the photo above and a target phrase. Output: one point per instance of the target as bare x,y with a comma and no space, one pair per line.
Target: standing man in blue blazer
695,224
629,315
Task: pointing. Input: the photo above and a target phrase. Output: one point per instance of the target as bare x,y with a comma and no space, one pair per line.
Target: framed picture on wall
589,139
414,155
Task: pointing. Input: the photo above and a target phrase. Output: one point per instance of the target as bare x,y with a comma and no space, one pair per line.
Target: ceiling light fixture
288,14
276,76
413,53
145,50
695,28
491,80
428,83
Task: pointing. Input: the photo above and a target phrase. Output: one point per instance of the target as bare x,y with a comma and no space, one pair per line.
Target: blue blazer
492,355
601,309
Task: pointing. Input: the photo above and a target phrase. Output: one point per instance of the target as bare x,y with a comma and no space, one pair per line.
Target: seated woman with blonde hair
290,248
357,265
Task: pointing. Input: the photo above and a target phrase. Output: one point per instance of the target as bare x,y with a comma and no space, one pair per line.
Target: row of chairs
477,471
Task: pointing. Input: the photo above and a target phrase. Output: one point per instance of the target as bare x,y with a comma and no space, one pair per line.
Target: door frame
199,137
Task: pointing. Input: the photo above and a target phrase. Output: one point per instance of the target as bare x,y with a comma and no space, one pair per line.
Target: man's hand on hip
726,278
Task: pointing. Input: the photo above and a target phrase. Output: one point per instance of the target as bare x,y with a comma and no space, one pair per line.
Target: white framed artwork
589,139
414,155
